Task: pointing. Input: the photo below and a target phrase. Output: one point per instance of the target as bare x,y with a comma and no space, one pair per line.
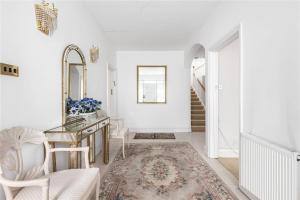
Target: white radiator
267,171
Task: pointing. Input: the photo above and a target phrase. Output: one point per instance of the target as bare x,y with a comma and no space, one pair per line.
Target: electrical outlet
9,70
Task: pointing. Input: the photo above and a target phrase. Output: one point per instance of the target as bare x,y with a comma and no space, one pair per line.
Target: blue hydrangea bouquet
83,106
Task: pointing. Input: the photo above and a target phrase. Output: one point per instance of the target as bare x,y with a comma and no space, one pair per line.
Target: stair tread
199,117
198,124
198,129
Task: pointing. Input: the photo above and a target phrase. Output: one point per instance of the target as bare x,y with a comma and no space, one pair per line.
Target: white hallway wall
271,64
173,116
34,99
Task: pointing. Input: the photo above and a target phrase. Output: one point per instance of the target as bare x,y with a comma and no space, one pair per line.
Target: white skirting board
268,171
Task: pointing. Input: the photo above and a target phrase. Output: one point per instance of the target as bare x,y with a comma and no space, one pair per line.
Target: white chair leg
127,138
123,139
98,187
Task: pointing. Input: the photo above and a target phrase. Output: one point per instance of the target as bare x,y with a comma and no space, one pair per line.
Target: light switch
9,70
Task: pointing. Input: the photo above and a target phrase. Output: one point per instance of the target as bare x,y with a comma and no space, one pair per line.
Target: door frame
212,122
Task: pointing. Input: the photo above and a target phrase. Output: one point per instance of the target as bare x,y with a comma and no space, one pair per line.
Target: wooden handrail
201,84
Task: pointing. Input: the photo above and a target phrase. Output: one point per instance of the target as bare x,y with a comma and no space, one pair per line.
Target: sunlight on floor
231,164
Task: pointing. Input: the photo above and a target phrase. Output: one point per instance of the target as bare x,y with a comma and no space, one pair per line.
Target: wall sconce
94,54
46,17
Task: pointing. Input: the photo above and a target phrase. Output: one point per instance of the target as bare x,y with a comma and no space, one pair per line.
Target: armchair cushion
72,184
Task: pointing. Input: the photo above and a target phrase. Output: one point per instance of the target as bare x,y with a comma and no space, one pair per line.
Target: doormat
153,136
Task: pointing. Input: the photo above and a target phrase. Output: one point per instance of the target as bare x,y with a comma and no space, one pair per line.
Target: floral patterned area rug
162,171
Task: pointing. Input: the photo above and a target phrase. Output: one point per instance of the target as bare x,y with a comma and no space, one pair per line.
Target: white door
229,97
111,92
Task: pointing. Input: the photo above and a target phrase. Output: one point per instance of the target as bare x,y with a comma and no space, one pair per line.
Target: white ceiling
150,25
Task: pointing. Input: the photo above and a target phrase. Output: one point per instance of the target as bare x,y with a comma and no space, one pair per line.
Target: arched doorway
198,68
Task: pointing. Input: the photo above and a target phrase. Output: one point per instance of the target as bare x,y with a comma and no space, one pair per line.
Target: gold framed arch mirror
74,73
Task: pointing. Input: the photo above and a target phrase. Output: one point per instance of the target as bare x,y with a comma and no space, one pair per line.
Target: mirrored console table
74,132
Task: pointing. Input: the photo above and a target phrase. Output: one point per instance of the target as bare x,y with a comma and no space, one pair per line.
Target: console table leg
105,141
92,147
52,145
73,158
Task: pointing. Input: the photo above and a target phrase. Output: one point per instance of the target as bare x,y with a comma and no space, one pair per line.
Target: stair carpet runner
197,114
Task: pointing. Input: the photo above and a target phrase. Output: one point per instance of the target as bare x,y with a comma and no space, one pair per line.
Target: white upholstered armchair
37,183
